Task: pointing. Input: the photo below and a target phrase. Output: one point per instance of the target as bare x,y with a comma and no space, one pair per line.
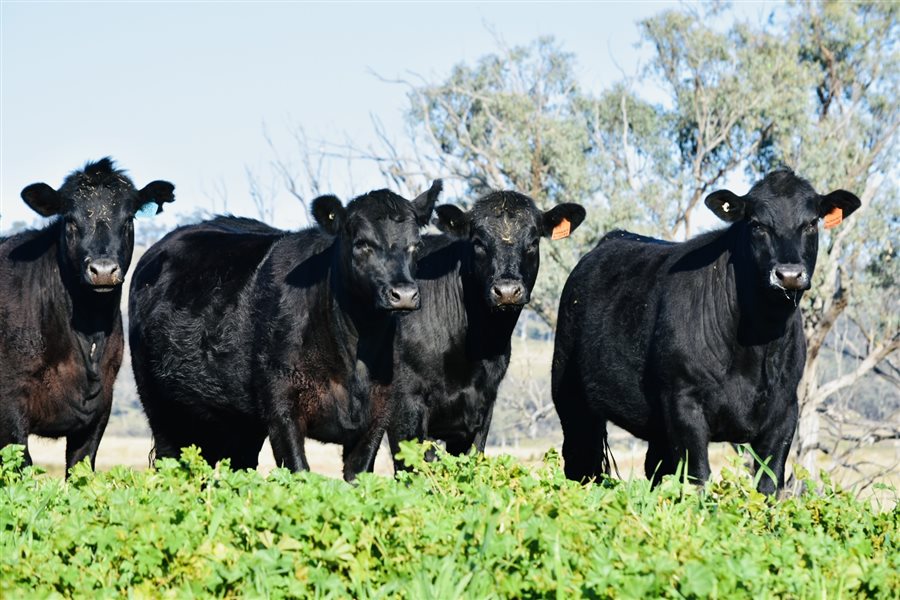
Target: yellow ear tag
834,218
562,230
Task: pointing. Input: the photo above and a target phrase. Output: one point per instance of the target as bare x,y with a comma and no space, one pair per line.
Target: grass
473,526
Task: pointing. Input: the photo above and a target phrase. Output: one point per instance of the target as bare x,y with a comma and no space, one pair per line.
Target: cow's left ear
329,213
156,192
43,199
423,205
842,199
561,220
727,205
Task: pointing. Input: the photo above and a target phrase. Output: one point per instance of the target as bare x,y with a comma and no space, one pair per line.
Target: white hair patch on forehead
506,234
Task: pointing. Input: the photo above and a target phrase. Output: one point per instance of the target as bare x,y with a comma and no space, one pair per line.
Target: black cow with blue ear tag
475,279
691,343
60,324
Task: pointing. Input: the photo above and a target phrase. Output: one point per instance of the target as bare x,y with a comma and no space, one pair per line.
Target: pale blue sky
180,91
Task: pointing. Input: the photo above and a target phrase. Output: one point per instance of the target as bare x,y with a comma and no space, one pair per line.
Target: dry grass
135,451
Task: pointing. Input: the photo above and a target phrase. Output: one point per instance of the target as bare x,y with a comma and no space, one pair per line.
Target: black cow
686,344
453,353
239,330
60,322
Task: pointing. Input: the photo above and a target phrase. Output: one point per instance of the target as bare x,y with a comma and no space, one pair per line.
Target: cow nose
403,297
104,272
505,292
791,276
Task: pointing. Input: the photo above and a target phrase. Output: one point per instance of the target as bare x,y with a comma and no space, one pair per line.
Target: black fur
239,331
685,344
453,353
60,323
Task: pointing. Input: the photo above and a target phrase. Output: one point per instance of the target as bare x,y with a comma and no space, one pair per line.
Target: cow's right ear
727,205
452,220
329,213
43,199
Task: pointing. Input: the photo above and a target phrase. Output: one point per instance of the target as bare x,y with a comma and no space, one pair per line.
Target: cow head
378,239
96,206
779,221
505,231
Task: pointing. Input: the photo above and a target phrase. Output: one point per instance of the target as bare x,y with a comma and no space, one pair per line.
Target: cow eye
533,247
71,227
362,246
812,226
479,245
758,228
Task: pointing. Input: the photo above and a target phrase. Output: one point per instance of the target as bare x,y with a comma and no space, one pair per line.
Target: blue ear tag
148,210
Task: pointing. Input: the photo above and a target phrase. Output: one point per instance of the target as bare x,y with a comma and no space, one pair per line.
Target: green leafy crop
472,527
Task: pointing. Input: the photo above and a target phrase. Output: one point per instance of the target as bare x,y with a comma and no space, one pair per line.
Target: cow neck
762,316
93,316
356,322
489,331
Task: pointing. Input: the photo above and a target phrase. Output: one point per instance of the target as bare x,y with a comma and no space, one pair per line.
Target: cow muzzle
507,293
103,274
790,277
401,297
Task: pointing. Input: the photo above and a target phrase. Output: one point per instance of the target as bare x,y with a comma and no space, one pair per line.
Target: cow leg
775,445
584,443
410,423
481,434
360,455
175,428
689,435
247,455
83,444
171,425
659,461
459,445
13,428
430,454
164,446
287,439
584,429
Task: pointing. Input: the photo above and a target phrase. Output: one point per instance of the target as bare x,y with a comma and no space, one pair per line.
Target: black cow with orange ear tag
691,343
474,279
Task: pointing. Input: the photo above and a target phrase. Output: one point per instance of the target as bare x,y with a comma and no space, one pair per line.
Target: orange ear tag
834,218
562,230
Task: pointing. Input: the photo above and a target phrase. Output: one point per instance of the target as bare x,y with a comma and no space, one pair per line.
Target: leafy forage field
460,527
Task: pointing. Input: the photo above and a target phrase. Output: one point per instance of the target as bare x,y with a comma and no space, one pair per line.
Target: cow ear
156,192
561,220
424,203
43,199
727,205
842,199
329,213
452,220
